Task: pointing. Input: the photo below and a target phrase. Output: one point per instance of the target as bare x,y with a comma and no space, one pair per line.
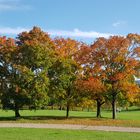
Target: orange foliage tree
116,61
92,89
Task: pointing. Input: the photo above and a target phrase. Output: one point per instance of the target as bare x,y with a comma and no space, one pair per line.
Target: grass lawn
124,118
54,134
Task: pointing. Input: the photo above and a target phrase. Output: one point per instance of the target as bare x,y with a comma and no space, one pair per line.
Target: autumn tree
64,71
90,83
116,61
92,89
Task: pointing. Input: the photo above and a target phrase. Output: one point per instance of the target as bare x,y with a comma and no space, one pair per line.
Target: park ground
127,119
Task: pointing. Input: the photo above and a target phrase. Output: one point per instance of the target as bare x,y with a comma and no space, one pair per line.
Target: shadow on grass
8,118
131,110
39,118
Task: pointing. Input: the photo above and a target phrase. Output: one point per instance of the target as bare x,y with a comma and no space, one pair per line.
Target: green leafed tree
36,52
27,68
64,72
10,77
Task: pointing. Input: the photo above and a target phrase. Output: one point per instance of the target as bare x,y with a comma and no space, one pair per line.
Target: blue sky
84,20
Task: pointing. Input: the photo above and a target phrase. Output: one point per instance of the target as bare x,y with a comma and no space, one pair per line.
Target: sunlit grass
55,134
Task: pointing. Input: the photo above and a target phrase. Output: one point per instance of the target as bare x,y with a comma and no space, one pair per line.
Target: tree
9,77
27,66
93,89
64,71
16,94
116,61
36,52
90,82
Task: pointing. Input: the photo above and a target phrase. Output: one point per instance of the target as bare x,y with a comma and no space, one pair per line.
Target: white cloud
12,31
6,1
78,33
63,33
118,23
6,5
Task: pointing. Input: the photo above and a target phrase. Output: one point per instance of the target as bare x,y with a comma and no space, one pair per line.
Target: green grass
124,115
55,134
124,118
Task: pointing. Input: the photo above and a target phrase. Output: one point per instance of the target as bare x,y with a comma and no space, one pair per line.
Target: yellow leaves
87,102
109,87
20,68
131,90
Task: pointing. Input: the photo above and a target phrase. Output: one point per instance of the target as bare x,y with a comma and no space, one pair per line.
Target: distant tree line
36,71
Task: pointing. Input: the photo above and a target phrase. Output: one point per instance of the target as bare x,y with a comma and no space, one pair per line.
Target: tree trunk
67,110
98,109
114,107
17,114
68,102
60,107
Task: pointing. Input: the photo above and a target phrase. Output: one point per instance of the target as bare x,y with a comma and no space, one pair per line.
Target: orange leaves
112,62
6,42
66,47
113,57
134,37
137,51
135,45
83,54
92,86
7,47
34,36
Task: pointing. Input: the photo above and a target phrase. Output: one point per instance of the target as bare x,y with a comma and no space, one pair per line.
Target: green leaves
25,67
36,52
36,49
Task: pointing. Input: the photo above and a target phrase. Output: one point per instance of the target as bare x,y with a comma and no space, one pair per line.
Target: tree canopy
37,70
